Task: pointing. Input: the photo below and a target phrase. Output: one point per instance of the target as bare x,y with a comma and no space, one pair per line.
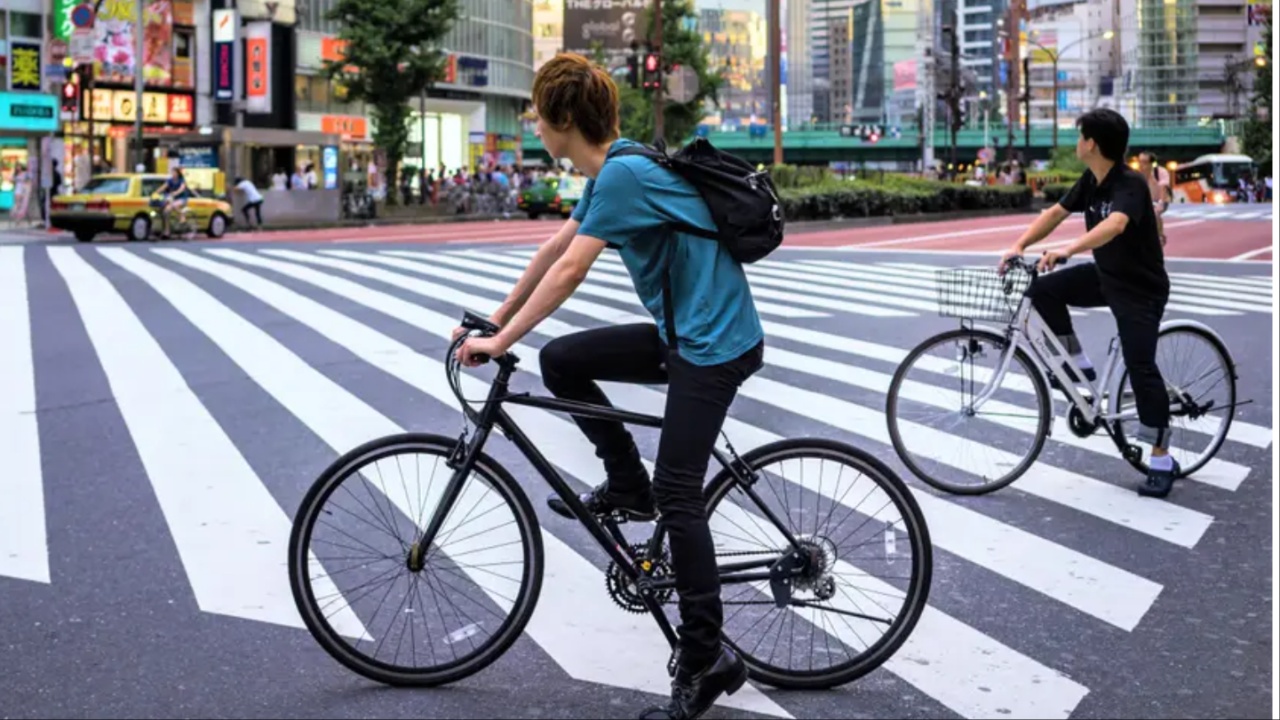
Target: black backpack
743,203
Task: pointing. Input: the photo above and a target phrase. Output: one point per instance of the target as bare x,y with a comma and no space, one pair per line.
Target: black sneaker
1159,482
692,694
635,506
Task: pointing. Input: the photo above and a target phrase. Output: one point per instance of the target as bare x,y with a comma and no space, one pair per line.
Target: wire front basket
981,293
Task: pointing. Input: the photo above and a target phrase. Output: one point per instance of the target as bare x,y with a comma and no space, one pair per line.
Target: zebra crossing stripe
1225,476
24,548
985,662
563,614
1177,303
229,531
1075,579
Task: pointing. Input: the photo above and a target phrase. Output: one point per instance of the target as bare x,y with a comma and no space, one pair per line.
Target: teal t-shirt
631,205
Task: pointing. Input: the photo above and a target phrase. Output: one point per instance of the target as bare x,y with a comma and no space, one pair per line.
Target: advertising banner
612,24
257,67
157,43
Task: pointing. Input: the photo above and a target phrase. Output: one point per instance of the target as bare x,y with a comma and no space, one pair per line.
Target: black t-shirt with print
1132,263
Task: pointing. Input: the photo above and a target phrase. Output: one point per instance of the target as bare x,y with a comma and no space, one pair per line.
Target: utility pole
1026,103
775,75
659,126
138,32
953,90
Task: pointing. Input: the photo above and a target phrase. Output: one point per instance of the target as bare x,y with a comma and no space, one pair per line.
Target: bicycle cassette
625,593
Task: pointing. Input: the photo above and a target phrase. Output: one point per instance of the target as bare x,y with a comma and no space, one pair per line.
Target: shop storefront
99,137
112,113
24,119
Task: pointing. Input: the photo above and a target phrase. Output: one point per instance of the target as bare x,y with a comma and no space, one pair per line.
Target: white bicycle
938,427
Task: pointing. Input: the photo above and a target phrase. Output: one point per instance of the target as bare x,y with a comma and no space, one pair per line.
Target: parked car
122,203
552,195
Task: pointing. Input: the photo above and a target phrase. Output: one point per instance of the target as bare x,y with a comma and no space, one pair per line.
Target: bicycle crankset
625,593
1079,426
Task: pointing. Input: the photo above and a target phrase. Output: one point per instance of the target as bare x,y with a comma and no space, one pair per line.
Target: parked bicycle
1025,358
802,568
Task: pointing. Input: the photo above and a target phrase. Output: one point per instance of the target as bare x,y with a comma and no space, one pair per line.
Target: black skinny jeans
698,399
1138,324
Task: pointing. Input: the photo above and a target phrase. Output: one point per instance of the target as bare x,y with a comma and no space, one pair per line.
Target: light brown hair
569,91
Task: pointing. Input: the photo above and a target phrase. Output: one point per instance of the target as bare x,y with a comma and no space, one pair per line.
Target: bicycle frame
611,540
1028,331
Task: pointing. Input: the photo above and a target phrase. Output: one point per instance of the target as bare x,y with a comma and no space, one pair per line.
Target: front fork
462,460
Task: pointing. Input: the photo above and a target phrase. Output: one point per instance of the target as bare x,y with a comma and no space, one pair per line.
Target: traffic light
633,71
71,96
652,71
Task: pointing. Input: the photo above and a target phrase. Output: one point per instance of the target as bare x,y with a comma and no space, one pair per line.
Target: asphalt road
164,408
1218,232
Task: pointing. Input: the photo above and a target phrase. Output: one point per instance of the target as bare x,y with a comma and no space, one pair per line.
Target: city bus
1212,178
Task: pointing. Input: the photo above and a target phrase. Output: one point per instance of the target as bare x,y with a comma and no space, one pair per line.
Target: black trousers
1137,323
256,207
698,398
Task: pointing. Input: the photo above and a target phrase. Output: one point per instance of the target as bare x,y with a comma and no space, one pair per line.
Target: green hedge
1054,191
896,195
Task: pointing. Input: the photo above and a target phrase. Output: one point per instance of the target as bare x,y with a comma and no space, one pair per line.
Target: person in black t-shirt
1127,275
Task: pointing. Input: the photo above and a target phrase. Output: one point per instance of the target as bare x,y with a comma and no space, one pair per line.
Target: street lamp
1054,55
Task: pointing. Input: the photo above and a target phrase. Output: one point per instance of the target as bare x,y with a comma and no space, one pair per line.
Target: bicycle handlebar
1030,266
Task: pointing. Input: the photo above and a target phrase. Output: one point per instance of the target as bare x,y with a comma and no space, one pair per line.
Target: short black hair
1109,129
1150,156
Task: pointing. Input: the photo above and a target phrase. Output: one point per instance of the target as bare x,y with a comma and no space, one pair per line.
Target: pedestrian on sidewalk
252,201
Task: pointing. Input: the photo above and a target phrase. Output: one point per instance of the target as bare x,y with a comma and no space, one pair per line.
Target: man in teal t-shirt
631,204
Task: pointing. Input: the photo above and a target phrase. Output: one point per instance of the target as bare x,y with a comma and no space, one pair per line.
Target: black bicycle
836,567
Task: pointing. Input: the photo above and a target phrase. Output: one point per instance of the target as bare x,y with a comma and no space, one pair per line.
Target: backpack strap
668,308
668,302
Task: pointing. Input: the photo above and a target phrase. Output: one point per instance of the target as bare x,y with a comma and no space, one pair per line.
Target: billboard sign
612,24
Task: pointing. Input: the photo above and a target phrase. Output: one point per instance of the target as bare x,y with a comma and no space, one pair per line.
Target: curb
802,226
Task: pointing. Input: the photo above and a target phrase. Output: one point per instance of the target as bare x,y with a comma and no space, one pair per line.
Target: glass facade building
468,121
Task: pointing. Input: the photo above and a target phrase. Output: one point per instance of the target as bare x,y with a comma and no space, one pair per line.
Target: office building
548,30
737,43
797,63
1087,60
1161,61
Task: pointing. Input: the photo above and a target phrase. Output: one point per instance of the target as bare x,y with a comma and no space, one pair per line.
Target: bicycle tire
922,558
337,646
1228,363
1043,423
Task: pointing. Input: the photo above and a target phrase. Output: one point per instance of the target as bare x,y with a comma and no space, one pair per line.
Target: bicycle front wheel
947,433
389,613
871,562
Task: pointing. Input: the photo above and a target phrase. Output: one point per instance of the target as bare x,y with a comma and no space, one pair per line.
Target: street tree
391,55
1257,128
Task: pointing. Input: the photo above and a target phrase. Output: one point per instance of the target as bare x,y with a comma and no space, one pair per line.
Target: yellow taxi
122,203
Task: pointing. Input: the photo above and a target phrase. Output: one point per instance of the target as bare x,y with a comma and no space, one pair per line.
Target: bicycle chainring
625,593
1079,426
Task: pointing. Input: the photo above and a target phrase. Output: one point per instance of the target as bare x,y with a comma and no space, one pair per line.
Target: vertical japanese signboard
257,67
224,55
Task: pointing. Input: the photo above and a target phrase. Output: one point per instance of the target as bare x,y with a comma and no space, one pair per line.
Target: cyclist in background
629,204
176,193
1128,275
1160,186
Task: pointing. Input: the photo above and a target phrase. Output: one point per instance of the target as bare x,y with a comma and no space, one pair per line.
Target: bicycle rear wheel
857,518
349,562
1196,368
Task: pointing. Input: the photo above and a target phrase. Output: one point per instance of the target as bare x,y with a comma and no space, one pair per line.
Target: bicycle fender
1196,324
